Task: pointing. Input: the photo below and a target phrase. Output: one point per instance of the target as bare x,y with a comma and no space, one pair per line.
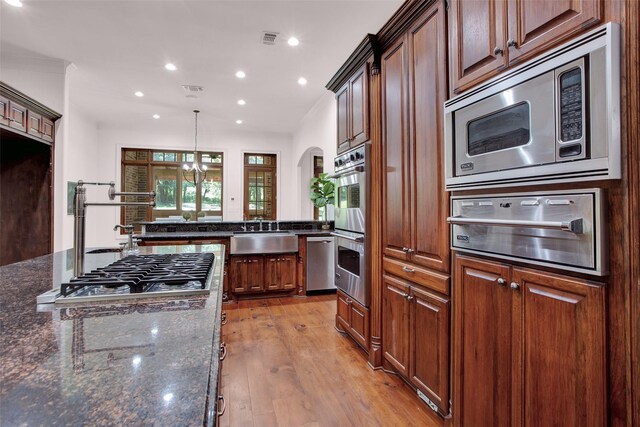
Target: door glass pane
136,179
136,155
211,191
166,187
504,129
188,196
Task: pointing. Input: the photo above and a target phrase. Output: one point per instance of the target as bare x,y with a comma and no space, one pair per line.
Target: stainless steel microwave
554,119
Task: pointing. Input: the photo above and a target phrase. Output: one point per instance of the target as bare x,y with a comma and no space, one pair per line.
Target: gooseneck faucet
79,216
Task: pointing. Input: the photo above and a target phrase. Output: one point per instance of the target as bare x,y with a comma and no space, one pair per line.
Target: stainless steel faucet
129,229
79,216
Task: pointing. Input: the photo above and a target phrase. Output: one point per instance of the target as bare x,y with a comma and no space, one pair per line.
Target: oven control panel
351,158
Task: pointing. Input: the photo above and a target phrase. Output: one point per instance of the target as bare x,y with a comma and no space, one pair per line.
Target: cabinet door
359,323
4,111
430,326
395,324
427,83
255,274
476,41
17,116
342,99
238,274
272,280
343,311
34,124
288,270
482,345
395,199
559,332
359,111
47,130
536,25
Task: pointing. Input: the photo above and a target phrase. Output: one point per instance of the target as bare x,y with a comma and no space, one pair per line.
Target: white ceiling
120,47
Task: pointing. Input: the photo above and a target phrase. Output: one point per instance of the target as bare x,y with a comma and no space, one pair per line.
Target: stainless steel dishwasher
320,265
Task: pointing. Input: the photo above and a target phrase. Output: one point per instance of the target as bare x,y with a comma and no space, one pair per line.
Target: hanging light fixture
195,173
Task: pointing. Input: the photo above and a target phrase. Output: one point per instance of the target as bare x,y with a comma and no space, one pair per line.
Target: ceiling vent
193,91
269,37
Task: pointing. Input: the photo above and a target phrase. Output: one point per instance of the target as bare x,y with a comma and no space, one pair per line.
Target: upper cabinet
351,86
414,204
23,115
486,36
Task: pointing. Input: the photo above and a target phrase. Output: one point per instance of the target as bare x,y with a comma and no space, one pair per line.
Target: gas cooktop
140,276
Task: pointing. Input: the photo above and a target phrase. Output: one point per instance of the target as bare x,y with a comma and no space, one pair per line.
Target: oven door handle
572,225
347,172
354,239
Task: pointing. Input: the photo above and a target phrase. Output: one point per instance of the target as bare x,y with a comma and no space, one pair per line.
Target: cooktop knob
352,157
336,163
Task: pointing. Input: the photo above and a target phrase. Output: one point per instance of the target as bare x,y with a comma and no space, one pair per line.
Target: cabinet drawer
429,279
359,319
343,310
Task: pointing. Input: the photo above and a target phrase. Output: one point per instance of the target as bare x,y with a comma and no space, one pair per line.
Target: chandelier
195,173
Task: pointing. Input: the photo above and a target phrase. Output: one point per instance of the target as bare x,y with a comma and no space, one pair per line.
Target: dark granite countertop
147,362
177,235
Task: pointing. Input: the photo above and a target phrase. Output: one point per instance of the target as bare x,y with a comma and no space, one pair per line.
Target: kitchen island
148,361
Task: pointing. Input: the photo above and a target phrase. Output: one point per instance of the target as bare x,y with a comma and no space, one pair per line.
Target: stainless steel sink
263,243
104,250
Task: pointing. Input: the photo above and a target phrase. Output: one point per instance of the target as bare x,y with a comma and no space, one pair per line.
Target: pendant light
195,173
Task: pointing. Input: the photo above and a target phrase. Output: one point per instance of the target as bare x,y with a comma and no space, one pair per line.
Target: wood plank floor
286,365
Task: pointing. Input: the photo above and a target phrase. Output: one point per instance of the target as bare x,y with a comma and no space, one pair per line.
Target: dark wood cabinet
353,318
416,338
4,111
263,273
247,274
353,110
529,347
47,130
280,272
415,205
34,124
486,36
17,116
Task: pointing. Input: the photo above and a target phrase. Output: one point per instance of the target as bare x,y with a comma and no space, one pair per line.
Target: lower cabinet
353,318
529,347
415,338
263,273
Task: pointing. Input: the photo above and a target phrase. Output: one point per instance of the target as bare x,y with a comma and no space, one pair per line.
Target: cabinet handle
410,251
512,43
501,281
224,405
405,250
409,297
404,295
515,286
497,51
223,318
223,351
408,270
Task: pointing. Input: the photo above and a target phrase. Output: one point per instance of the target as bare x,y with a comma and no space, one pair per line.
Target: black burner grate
141,272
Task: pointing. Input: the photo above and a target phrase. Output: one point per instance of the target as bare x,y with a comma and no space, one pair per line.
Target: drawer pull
501,281
223,351
224,318
515,286
408,270
224,405
409,297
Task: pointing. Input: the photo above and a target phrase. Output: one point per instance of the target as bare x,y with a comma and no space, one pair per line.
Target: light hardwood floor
286,365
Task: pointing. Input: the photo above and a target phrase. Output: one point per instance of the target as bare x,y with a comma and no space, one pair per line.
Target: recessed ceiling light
240,74
14,3
293,41
171,67
239,122
302,81
139,94
241,102
156,116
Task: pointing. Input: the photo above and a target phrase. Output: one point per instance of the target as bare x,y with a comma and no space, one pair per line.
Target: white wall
317,132
233,145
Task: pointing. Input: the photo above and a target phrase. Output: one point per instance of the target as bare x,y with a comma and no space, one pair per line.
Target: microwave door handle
573,225
342,236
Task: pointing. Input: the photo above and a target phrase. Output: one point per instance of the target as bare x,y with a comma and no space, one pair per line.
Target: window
318,168
260,186
161,171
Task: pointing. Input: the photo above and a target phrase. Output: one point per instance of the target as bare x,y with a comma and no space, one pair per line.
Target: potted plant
322,194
